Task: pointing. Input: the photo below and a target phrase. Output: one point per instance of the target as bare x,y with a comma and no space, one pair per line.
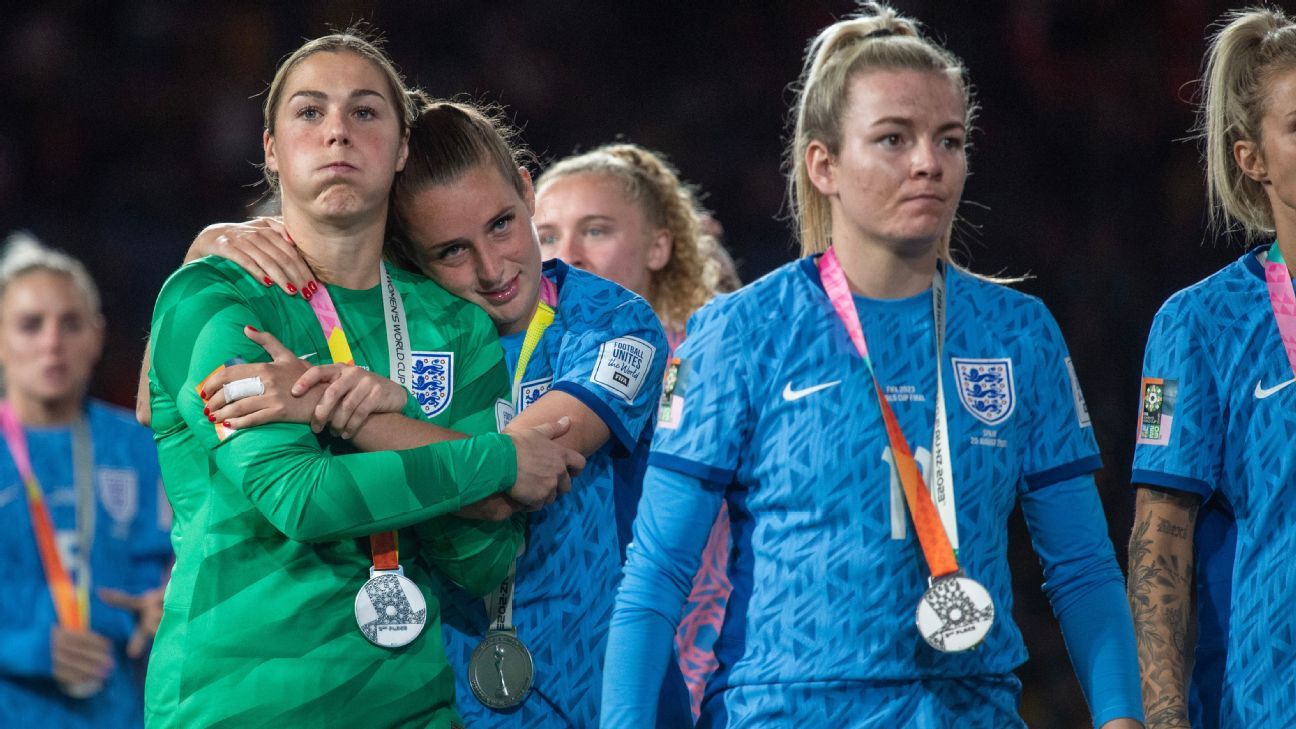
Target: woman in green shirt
272,616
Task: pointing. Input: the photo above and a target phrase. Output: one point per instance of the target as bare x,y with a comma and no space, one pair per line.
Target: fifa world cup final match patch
1156,412
623,365
671,408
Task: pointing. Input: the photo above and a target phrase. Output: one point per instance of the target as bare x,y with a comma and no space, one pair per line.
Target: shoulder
769,301
1221,298
587,302
210,279
117,423
421,292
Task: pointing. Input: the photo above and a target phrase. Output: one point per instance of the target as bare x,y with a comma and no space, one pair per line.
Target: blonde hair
876,38
688,280
1252,45
24,253
352,40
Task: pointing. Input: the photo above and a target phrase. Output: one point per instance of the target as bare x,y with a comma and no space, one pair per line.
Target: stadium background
131,125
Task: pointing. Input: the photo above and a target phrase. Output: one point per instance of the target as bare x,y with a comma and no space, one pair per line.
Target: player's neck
344,255
37,412
879,271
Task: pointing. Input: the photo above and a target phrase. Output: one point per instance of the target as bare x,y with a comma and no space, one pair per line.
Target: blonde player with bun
821,401
1213,460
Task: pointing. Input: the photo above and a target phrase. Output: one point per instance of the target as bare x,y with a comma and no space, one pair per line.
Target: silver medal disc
955,614
501,670
390,610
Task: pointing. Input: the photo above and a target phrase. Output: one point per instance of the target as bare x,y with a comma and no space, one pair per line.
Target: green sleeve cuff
478,467
412,409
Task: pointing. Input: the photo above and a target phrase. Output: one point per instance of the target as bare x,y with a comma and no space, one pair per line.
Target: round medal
390,610
955,614
501,670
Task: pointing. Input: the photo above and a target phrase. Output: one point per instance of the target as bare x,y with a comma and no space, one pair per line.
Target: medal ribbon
499,604
1283,300
936,544
384,546
71,603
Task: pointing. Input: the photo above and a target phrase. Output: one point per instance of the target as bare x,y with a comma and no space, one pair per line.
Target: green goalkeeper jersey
271,522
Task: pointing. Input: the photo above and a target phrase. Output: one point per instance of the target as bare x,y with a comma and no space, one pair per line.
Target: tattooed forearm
1160,594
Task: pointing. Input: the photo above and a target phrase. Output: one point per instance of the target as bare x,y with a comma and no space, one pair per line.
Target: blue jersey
129,551
1221,423
773,408
606,349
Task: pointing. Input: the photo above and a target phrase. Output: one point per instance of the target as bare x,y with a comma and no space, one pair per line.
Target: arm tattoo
1160,591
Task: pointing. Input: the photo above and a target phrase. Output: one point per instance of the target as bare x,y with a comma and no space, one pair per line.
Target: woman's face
337,143
1275,165
49,338
898,176
474,237
588,221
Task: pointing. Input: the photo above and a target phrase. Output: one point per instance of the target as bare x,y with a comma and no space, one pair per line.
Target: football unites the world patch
623,365
985,387
432,380
1156,412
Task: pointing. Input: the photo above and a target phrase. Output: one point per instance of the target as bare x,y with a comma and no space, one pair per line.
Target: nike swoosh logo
1261,392
789,394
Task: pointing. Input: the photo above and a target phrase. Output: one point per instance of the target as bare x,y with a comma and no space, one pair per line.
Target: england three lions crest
432,380
985,387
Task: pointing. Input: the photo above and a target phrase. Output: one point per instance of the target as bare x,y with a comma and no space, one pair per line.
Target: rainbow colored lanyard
1283,300
540,321
384,546
935,539
71,603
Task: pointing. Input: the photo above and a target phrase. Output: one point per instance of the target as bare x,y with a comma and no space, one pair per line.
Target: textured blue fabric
129,552
1229,428
777,417
567,578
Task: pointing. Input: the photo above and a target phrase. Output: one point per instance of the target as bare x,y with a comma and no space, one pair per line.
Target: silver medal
390,609
501,670
955,614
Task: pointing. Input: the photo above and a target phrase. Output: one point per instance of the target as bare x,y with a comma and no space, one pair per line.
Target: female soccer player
806,400
1217,418
83,523
578,346
277,612
622,212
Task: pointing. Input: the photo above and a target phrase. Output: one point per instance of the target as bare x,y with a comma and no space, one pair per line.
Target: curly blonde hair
688,280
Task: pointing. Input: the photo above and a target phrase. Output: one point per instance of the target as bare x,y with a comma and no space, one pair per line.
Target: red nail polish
203,394
225,423
307,294
207,412
211,418
292,289
313,286
266,280
249,326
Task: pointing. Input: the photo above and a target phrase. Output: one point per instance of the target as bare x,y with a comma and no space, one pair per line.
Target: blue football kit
606,348
1220,423
772,411
130,550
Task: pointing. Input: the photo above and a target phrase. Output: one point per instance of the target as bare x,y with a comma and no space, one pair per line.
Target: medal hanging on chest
956,612
390,609
501,671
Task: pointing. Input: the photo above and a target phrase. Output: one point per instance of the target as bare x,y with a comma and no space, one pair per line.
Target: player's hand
545,468
147,607
263,248
79,656
277,404
351,396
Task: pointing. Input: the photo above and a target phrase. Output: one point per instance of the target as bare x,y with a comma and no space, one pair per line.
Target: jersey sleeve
1059,442
705,405
473,554
1180,421
1087,591
150,545
613,363
303,491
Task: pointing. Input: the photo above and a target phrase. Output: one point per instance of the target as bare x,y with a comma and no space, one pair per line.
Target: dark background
129,126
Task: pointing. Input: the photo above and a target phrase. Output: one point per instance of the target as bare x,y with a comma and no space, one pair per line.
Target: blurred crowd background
132,125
